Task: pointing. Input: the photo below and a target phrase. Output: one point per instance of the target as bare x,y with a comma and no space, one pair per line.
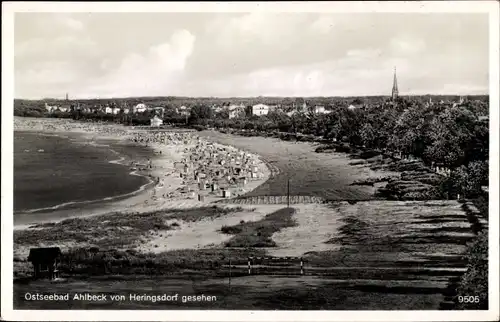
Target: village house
355,106
318,109
218,109
236,111
108,110
260,109
139,108
156,121
183,110
64,109
50,108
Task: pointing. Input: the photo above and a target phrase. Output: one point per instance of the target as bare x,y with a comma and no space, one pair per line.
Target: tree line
453,136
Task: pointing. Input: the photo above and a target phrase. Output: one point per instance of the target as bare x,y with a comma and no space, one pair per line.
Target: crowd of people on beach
207,169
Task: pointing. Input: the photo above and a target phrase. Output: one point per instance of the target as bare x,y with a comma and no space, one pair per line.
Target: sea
57,171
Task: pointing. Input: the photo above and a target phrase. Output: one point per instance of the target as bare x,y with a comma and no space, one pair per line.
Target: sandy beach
168,189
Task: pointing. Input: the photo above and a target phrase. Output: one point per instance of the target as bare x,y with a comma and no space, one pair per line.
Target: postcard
250,161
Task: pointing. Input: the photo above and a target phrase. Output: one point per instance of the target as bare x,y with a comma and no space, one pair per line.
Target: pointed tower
395,87
66,96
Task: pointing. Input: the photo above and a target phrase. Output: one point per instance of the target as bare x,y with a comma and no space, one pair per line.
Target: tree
451,133
470,178
368,135
409,134
199,114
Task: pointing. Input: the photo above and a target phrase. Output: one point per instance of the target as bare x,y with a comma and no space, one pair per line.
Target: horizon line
240,97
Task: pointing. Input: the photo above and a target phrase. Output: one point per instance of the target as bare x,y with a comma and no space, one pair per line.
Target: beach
167,187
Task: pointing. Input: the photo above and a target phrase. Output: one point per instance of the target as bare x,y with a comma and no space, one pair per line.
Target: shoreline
165,181
71,204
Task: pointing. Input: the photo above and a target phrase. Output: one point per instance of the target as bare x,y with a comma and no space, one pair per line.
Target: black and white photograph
269,158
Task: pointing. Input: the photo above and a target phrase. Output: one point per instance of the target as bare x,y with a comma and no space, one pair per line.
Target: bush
258,233
475,281
199,127
231,230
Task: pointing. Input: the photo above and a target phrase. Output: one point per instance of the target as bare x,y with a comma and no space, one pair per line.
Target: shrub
258,233
475,281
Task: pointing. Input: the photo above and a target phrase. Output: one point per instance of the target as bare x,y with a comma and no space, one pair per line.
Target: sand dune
202,234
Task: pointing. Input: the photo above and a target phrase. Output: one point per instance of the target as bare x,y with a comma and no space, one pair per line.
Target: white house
50,108
108,110
319,109
183,110
260,109
236,110
354,106
115,110
156,121
140,108
126,110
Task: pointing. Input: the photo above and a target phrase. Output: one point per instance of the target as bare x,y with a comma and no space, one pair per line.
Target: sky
100,55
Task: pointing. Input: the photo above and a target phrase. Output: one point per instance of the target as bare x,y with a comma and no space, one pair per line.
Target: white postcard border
8,9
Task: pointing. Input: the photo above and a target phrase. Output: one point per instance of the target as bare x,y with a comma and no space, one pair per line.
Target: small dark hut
45,262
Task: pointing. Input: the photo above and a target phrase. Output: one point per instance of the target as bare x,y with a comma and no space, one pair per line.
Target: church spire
395,91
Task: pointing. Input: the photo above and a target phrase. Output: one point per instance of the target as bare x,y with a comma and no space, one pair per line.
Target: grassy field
388,253
105,245
110,239
116,230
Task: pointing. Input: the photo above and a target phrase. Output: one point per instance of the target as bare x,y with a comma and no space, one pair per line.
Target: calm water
70,170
